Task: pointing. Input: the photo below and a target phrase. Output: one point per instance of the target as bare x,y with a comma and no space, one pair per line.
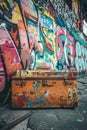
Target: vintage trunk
44,89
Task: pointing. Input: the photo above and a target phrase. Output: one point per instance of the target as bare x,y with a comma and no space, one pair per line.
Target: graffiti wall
71,53
81,57
46,58
65,49
31,39
27,38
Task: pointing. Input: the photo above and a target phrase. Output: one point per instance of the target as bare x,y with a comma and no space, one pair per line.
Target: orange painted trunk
44,89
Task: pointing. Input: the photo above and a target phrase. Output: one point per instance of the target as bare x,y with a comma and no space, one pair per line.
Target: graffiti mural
46,59
67,15
71,53
28,12
27,39
81,57
31,38
9,51
65,49
33,35
9,59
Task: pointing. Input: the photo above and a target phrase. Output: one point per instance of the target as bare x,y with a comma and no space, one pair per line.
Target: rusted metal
33,89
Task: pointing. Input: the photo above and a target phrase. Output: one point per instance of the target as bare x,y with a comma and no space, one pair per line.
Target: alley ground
48,119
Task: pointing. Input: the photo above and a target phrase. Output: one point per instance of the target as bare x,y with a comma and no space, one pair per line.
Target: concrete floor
48,119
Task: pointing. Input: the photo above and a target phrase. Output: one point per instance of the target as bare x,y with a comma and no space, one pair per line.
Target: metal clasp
67,83
45,83
21,83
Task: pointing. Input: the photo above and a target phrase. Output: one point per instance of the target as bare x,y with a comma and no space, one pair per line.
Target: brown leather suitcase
44,89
